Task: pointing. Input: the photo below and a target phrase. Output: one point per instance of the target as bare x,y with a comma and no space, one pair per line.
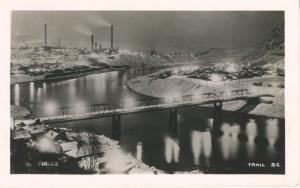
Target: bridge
73,113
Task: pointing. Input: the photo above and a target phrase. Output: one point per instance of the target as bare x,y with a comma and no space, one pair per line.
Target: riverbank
176,86
23,78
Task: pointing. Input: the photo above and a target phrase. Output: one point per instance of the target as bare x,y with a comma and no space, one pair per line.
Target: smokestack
92,42
45,34
58,42
111,36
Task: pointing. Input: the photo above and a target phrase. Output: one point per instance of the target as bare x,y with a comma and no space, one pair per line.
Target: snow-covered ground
177,86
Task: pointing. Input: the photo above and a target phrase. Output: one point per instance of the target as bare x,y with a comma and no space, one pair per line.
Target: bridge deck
143,108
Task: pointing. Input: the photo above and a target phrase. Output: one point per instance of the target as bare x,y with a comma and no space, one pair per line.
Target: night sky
165,30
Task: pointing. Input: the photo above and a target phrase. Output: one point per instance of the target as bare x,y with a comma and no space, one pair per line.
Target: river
146,135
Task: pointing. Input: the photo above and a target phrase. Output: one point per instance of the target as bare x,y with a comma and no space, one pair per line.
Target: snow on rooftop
51,134
67,146
21,134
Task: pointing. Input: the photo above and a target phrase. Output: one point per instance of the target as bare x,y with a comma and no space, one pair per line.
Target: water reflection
31,91
17,94
194,143
201,146
80,107
272,134
99,86
39,94
251,131
139,151
229,141
272,131
44,89
171,149
72,90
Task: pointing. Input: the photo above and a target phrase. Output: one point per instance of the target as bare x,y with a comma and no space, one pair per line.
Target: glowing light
210,122
39,94
17,94
225,127
234,131
232,68
175,71
251,130
129,102
31,90
171,150
207,145
46,145
229,141
272,130
196,145
139,151
44,85
50,108
117,161
216,77
201,141
80,107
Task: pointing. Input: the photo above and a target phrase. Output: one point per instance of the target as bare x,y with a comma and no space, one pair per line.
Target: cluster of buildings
224,72
52,63
227,73
37,147
51,60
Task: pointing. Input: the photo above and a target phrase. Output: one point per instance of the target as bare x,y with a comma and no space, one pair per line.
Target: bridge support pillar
173,122
217,117
116,127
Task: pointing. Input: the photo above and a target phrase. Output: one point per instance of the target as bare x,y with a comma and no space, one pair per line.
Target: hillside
271,51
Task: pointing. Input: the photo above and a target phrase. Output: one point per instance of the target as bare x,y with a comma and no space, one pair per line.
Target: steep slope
271,50
222,55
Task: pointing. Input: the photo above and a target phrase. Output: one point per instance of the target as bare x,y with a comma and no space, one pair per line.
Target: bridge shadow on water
185,140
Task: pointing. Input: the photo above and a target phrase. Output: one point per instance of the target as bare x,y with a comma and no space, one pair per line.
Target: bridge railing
104,108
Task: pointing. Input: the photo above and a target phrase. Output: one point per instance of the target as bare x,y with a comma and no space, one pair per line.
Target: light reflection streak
17,94
201,141
31,91
272,131
210,122
171,150
72,90
39,94
272,134
251,131
225,141
229,141
139,151
44,88
100,85
129,102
